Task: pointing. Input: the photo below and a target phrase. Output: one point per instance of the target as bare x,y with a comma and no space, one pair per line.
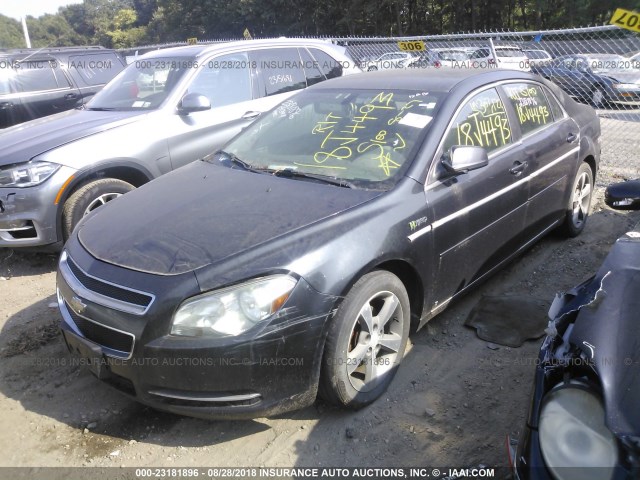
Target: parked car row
601,79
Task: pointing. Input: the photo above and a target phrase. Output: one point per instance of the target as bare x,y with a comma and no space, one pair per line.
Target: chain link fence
599,66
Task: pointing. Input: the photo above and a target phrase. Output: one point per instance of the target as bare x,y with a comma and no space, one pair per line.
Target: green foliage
10,33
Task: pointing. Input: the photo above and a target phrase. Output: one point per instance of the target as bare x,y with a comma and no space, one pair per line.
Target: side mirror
623,195
462,159
194,102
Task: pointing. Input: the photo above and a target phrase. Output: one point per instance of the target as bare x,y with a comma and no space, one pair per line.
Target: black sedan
603,80
584,420
295,259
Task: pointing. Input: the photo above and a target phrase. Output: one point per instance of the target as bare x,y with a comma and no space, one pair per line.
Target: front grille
109,290
102,335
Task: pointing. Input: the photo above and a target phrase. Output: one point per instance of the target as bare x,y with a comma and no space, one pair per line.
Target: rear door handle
250,115
70,96
572,137
518,168
5,105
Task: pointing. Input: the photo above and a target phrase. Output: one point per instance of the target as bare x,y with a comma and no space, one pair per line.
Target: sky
17,8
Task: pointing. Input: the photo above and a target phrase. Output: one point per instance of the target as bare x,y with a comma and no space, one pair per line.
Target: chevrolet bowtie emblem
77,305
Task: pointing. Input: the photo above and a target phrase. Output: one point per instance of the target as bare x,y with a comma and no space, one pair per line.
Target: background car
166,109
296,257
43,81
388,61
587,382
603,80
505,56
537,57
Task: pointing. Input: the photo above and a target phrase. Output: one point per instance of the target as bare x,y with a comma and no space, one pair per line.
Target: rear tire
579,202
89,197
366,341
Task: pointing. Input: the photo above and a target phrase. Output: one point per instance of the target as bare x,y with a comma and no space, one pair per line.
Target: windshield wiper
101,109
290,173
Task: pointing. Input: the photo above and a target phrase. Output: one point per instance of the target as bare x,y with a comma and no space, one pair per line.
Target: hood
203,213
623,77
611,325
22,142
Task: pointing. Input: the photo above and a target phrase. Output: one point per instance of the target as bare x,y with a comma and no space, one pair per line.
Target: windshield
536,54
611,63
365,137
510,52
453,55
143,85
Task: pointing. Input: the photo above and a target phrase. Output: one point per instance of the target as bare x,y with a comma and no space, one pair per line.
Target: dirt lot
453,402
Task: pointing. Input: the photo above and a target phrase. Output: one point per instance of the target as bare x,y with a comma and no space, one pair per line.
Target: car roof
201,50
50,52
443,81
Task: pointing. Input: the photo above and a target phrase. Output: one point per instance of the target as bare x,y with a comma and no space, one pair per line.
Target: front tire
89,197
579,203
366,341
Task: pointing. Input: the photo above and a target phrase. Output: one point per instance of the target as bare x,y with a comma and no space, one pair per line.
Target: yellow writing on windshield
364,130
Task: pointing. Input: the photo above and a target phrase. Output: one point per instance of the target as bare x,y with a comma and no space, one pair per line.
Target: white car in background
500,56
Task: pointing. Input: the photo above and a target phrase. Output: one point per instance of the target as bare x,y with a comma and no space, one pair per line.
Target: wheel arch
124,170
409,277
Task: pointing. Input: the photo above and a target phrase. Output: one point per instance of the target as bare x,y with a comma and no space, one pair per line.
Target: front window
143,85
365,137
482,122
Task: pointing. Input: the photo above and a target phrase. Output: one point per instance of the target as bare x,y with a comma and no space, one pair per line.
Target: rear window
280,70
95,68
530,103
329,66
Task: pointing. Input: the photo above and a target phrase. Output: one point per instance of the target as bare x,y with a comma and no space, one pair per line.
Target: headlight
573,434
625,85
233,310
27,174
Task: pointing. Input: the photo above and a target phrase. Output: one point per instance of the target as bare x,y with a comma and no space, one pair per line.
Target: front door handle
70,96
5,105
251,115
518,168
572,137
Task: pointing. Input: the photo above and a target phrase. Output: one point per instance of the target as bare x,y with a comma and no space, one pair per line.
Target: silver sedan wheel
101,200
376,338
581,200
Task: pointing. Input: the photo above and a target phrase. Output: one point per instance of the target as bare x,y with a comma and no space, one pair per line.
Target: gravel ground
453,402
